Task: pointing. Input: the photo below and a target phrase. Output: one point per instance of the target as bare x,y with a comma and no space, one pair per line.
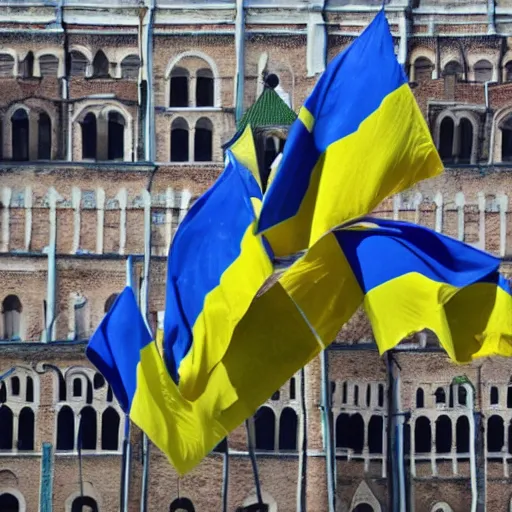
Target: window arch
288,429
179,141
179,88
65,429
100,65
9,503
110,422
420,398
342,431
423,68
84,503
78,63
11,312
443,434
20,135
89,136
203,144
26,422
453,68
506,139
204,88
88,428
27,66
440,396
116,128
182,504
495,434
44,141
465,140
130,67
48,65
422,435
265,429
446,136
483,71
6,428
356,433
7,63
110,302
375,434
508,71
462,433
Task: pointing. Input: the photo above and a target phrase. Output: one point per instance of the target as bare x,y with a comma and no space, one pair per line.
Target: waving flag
409,278
360,137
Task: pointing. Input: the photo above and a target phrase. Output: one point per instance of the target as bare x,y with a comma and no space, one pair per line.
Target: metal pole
225,478
328,437
303,453
252,455
240,59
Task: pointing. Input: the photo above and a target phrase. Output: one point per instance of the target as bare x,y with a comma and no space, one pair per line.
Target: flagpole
252,455
125,469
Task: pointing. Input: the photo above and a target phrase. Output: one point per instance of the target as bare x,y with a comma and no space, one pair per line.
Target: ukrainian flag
215,268
360,137
408,278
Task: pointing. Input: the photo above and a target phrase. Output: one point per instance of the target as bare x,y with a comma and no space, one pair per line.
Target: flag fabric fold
360,137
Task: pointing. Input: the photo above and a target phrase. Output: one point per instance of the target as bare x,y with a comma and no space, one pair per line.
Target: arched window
130,67
48,65
381,395
288,429
98,381
110,302
116,127
342,430
356,433
182,505
483,71
509,398
44,141
368,395
508,71
6,428
11,311
204,88
179,88
495,434
27,66
78,63
20,135
30,390
65,429
265,427
462,433
375,434
15,386
422,435
3,392
423,69
446,134
203,140
6,65
453,68
462,396
440,396
88,428
83,503
89,136
443,435
100,65
506,139
110,429
344,392
466,141
292,388
356,395
9,503
179,141
494,395
77,387
26,429
420,398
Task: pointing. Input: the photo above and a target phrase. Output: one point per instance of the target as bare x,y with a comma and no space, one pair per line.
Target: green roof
268,110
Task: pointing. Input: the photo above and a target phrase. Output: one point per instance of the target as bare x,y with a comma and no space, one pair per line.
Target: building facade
113,116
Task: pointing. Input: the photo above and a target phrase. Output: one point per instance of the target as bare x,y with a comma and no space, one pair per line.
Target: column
76,196
100,219
6,202
28,217
122,197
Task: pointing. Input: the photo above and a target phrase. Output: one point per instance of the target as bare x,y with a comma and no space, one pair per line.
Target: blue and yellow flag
216,266
409,278
360,137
